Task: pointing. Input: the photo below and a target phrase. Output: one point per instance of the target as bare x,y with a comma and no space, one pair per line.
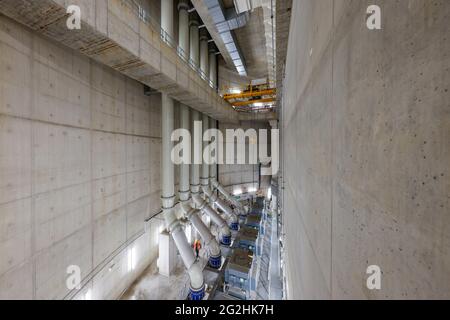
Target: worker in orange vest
197,246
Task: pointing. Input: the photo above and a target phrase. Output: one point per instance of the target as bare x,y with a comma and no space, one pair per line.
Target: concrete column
194,45
167,16
204,64
213,66
183,27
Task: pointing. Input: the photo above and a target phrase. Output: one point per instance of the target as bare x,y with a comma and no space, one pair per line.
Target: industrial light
258,104
188,233
88,295
237,192
132,259
252,190
235,91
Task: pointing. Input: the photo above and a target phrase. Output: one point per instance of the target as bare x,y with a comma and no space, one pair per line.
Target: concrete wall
240,176
366,127
79,170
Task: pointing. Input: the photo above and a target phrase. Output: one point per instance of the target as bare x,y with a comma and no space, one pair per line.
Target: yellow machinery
251,94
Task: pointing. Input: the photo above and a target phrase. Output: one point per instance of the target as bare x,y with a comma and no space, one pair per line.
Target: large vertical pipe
184,167
209,241
225,234
204,64
168,191
168,200
216,185
213,66
197,286
194,45
167,16
204,177
213,166
183,28
195,173
232,218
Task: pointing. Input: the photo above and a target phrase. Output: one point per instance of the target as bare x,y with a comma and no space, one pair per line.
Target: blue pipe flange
197,295
234,226
215,262
226,240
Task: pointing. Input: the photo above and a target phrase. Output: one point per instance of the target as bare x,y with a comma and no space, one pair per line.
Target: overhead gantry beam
248,102
249,94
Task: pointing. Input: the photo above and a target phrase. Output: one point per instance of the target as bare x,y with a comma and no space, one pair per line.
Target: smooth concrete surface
366,129
239,175
275,281
113,34
151,285
79,170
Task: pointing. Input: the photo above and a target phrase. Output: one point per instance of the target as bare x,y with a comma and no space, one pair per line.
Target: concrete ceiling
252,41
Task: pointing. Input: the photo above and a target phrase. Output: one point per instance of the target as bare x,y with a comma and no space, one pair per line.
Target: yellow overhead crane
251,94
248,102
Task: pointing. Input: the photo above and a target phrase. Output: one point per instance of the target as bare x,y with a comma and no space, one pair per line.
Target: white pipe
167,16
204,54
209,241
184,167
168,199
213,166
229,197
194,45
224,230
214,179
198,202
232,218
213,67
183,27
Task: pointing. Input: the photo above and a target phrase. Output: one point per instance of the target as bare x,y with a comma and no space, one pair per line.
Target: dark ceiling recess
149,91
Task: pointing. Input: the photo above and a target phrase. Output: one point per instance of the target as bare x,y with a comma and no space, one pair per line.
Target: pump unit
238,274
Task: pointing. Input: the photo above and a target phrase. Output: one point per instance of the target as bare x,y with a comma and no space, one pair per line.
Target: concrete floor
153,286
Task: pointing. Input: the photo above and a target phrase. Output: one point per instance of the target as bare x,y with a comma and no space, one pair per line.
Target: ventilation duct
226,21
246,5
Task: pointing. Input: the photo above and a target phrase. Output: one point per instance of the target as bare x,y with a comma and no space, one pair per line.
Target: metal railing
168,39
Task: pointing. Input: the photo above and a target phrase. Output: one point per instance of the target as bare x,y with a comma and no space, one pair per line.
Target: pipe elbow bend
225,230
196,276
